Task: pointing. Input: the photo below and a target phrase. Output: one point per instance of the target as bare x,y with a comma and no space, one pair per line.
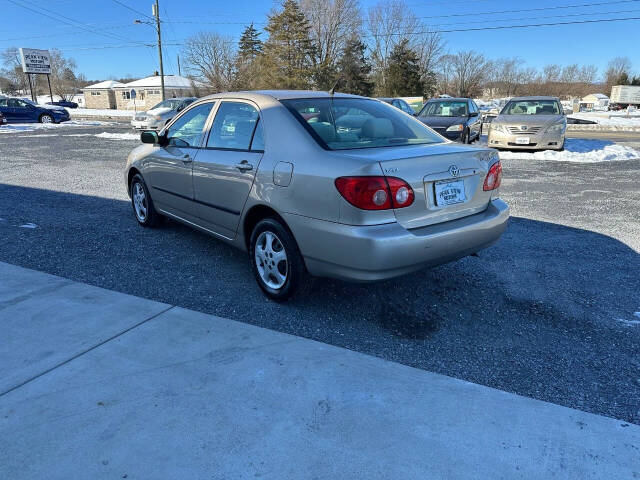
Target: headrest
243,131
377,128
325,131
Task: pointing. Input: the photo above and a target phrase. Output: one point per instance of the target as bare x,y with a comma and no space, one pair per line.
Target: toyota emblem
454,170
524,127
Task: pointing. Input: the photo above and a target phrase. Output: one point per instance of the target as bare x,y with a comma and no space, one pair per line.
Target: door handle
186,158
244,165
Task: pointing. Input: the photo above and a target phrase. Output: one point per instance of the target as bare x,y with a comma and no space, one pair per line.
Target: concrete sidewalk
98,384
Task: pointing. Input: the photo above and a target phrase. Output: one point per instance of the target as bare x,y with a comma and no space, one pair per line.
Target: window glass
3,102
445,109
347,123
233,126
258,140
473,106
171,103
187,130
532,107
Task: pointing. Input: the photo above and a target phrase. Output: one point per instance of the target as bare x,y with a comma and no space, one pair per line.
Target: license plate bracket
449,192
523,141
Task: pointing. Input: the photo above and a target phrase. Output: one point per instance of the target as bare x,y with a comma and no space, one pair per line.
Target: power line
132,9
66,20
539,9
504,27
537,18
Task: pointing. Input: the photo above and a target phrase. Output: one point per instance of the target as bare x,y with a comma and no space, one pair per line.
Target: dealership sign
35,61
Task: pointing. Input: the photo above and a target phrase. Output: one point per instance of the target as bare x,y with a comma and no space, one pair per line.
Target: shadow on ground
540,314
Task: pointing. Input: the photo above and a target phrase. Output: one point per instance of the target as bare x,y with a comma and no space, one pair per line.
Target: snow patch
30,127
119,136
579,151
94,112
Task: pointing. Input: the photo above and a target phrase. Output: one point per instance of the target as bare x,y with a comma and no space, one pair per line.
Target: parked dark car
17,110
64,103
399,103
457,119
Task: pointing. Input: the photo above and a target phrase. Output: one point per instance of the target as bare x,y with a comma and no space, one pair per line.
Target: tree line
385,50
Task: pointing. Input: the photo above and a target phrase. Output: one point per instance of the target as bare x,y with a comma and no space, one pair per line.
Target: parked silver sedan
529,123
308,182
159,115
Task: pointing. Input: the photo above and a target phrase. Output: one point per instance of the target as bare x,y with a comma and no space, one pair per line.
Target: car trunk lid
447,180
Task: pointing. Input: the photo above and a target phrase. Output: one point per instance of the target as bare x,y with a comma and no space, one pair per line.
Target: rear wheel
141,202
275,259
44,118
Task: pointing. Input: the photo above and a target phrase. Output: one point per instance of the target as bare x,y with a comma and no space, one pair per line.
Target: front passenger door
167,171
224,170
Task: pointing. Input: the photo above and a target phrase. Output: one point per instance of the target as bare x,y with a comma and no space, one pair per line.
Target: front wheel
275,259
141,202
465,137
46,118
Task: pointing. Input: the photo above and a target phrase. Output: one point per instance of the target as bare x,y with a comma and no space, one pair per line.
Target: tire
465,137
141,203
45,118
278,275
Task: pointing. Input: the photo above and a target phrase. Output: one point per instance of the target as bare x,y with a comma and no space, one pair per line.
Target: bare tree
332,23
388,23
469,72
615,70
211,57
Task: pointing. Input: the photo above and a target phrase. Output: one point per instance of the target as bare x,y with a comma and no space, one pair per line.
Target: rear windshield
532,107
349,123
445,109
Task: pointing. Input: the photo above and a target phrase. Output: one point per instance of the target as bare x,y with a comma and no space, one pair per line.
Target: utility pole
179,73
156,13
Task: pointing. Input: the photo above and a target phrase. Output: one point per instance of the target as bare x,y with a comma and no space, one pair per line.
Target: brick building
101,95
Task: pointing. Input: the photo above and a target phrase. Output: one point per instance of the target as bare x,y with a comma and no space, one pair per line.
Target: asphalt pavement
550,312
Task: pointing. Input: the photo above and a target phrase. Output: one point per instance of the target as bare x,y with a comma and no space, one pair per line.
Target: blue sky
106,23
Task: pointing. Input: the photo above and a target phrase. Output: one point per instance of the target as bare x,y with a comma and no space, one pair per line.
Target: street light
156,13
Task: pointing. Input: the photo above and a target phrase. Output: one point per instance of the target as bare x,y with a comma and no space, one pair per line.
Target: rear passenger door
225,168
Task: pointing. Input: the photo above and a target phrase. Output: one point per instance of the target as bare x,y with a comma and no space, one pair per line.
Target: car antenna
335,85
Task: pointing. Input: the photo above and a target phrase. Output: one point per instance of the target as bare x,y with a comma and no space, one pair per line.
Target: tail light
375,193
494,177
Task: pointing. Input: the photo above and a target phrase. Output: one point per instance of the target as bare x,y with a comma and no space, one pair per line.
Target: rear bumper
378,252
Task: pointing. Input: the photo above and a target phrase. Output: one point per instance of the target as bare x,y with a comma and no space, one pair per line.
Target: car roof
281,94
534,97
449,99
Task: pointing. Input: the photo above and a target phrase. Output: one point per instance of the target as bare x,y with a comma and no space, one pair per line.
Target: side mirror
149,136
473,114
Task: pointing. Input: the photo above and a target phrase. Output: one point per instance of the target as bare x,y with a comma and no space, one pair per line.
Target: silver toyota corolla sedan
308,182
529,123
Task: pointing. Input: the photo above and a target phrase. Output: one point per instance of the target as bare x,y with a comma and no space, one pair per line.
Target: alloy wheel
271,260
140,201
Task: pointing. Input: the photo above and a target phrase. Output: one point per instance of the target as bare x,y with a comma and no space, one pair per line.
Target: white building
594,101
148,91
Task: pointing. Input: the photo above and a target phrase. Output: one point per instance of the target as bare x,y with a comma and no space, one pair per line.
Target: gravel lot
549,312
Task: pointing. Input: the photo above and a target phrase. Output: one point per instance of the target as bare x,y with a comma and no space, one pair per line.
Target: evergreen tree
287,52
354,69
403,72
250,45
